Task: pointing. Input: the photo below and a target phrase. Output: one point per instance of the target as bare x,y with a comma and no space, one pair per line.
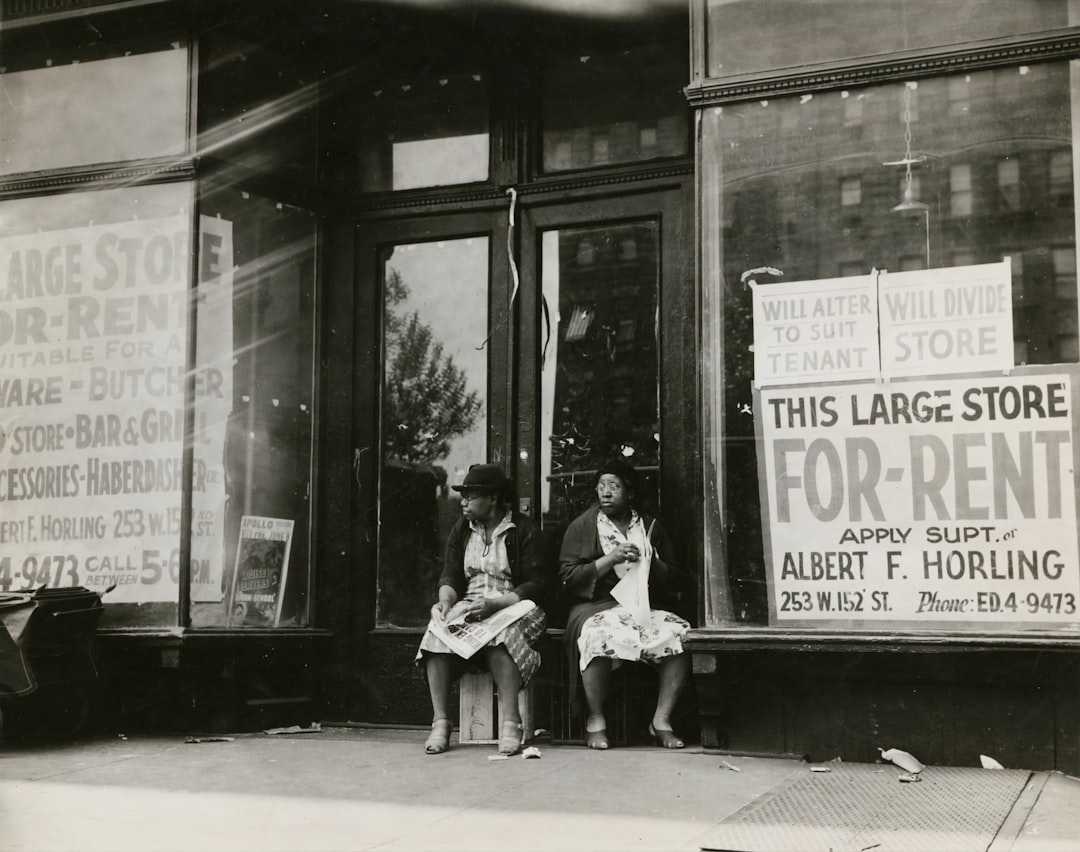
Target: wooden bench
478,703
478,706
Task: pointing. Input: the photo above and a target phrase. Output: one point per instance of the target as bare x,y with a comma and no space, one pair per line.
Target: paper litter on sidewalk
314,727
907,762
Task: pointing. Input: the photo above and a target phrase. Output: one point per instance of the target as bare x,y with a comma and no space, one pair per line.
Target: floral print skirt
614,633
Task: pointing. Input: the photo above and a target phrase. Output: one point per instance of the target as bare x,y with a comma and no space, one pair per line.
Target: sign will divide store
93,351
943,500
885,324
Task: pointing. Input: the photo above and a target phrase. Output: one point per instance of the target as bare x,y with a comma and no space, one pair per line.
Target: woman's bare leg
595,679
440,675
674,675
508,683
507,680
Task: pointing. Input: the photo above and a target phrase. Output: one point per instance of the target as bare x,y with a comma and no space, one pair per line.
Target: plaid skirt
518,637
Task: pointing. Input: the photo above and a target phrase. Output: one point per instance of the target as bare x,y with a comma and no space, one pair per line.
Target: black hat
484,477
620,469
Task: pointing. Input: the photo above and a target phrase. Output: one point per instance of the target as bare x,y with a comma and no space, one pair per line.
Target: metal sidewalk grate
859,807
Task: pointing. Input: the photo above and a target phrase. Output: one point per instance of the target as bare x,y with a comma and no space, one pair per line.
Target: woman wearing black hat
496,569
617,566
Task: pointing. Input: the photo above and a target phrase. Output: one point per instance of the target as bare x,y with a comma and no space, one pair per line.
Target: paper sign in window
952,320
815,331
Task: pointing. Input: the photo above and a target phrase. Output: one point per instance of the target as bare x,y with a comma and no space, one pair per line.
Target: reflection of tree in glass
426,400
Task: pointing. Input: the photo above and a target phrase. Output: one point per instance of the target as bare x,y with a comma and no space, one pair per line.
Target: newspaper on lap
465,638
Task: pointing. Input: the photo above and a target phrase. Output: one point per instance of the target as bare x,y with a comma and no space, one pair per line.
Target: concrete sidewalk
361,788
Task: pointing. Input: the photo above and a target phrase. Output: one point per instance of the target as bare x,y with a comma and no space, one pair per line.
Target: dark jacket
581,548
531,569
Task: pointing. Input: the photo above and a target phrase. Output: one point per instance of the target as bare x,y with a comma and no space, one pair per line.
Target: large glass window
635,110
94,349
434,411
978,191
257,107
85,106
426,129
254,407
93,355
751,36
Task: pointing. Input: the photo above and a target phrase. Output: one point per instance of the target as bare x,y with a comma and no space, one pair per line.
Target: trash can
47,671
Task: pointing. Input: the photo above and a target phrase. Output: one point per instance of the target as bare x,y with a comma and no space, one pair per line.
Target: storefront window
254,404
944,267
257,108
93,354
80,107
434,412
425,129
600,388
636,110
752,36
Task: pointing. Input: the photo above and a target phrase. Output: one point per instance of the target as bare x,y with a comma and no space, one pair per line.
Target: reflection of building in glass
806,191
638,120
605,394
996,151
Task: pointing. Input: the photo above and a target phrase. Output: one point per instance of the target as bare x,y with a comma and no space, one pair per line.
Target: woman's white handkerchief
632,591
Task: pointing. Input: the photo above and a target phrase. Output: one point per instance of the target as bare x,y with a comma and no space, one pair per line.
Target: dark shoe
597,739
438,740
665,738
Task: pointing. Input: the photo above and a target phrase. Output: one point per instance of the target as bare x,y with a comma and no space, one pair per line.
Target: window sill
178,636
718,639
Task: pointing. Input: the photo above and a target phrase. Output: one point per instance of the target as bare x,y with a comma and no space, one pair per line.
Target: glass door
599,379
608,274
434,410
437,372
584,354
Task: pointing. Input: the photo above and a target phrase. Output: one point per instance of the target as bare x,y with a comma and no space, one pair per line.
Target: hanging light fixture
909,203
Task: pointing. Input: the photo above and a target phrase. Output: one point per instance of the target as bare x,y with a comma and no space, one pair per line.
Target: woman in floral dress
495,559
601,547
